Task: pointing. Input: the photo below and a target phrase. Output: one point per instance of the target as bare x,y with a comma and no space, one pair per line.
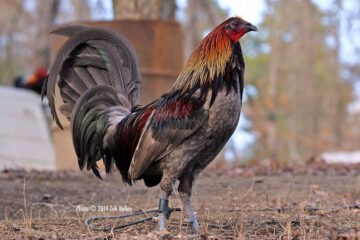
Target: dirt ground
54,205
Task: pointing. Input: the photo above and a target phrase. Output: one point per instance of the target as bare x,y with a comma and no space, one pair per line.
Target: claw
195,226
189,211
194,222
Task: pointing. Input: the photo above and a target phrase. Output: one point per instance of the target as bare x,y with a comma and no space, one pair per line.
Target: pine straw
44,207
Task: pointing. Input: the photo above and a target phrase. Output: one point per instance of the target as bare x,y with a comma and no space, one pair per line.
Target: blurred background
302,94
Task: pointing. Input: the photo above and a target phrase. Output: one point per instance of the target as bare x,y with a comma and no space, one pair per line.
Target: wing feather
168,127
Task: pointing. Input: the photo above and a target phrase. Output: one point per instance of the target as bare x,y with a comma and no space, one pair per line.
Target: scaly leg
166,186
184,189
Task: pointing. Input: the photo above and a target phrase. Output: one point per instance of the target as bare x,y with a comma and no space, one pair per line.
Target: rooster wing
168,126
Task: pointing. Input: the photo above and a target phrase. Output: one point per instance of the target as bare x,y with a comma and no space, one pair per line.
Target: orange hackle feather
208,60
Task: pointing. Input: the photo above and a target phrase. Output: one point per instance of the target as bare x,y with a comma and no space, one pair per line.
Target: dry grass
42,205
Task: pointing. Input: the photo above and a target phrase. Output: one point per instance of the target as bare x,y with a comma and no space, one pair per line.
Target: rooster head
236,27
212,55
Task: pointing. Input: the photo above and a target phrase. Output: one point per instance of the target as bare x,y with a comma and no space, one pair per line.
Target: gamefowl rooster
173,138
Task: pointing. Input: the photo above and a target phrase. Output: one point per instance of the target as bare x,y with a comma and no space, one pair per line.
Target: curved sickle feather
77,65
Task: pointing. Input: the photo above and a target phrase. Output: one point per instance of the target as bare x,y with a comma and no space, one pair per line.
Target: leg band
164,207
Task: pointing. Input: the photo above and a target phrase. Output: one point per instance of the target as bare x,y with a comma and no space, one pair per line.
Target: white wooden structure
341,157
25,140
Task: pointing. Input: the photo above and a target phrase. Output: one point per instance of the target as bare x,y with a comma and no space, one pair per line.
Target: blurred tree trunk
13,22
201,15
300,110
144,9
47,13
310,128
81,10
270,103
353,69
191,38
11,14
25,30
340,99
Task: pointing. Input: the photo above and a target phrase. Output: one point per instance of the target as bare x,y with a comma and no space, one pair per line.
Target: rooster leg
184,189
166,186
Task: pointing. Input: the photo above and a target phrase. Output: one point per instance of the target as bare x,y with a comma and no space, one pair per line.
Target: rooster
174,137
34,83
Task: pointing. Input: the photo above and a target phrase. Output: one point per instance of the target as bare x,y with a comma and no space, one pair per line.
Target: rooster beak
251,27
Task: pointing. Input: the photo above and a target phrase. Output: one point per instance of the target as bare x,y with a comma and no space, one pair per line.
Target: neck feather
207,62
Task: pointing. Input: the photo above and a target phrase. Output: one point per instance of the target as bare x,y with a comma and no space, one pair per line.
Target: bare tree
146,9
300,110
201,15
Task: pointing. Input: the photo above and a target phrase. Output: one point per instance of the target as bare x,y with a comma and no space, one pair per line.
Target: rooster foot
194,222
